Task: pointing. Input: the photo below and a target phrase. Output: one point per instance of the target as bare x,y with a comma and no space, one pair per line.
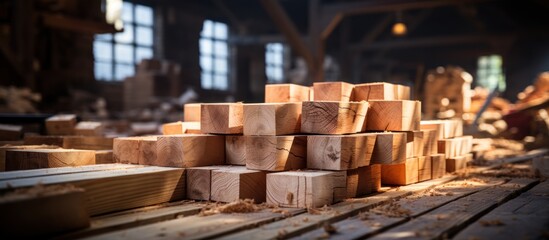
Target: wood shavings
239,206
318,211
392,209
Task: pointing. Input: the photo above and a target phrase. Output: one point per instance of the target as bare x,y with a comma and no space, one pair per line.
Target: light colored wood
76,142
115,190
190,150
199,181
135,150
333,117
10,132
235,150
4,148
311,93
104,156
438,165
430,144
221,118
276,153
86,128
42,211
340,152
61,124
63,170
191,112
363,180
333,91
424,168
445,128
390,148
229,185
380,91
435,125
306,189
44,140
22,159
400,174
181,128
402,115
453,147
280,93
454,164
272,118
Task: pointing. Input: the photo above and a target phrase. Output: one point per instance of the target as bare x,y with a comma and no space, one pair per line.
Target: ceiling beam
377,29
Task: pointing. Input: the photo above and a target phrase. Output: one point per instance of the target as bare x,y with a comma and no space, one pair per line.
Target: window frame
213,57
283,65
488,69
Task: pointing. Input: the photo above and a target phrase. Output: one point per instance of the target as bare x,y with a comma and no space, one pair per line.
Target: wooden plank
87,128
181,128
333,117
23,159
276,153
450,218
390,148
340,152
88,142
306,189
191,112
424,168
4,148
135,150
221,118
115,190
61,124
404,115
455,164
44,140
104,156
272,118
445,128
199,182
279,93
333,91
235,150
438,165
63,170
525,217
363,181
453,147
400,174
10,132
42,211
228,185
380,91
189,150
430,144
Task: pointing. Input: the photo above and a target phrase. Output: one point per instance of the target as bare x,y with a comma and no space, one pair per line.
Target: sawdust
392,209
37,191
318,211
240,206
491,223
363,216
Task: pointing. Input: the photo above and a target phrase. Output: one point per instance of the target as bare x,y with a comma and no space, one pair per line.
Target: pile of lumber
447,93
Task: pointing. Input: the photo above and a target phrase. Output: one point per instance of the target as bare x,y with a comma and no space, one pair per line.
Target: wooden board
363,181
86,128
23,159
403,115
42,211
135,150
229,185
104,156
454,164
199,181
63,170
445,128
340,152
61,124
272,118
4,148
453,147
400,174
191,112
280,93
380,91
306,189
10,132
333,91
189,150
333,117
424,168
430,144
390,148
181,128
235,150
438,165
221,118
276,153
76,142
115,190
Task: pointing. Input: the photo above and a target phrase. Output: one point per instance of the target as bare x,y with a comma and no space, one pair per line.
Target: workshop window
274,62
214,55
490,72
116,54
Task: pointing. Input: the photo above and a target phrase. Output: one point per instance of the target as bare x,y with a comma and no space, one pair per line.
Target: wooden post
279,93
276,153
235,183
221,118
333,91
23,159
272,118
390,148
333,117
62,124
340,152
401,115
190,150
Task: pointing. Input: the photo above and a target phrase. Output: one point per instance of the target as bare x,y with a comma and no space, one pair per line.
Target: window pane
221,31
207,29
206,63
269,58
106,36
220,66
277,58
123,53
143,53
144,36
103,71
127,12
278,74
205,46
102,50
220,82
143,15
221,49
126,36
206,80
122,71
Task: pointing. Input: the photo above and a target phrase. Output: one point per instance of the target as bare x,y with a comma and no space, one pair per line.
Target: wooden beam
76,24
404,115
235,150
333,117
363,180
390,148
191,112
270,119
371,36
333,91
400,174
221,118
61,124
23,159
340,152
276,153
228,185
193,150
277,93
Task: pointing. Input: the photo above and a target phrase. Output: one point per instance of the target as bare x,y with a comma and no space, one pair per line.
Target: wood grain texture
87,128
181,128
61,124
403,115
280,93
430,144
10,132
104,156
63,170
235,150
454,164
76,142
424,168
191,112
4,148
453,147
390,148
363,180
235,183
306,189
135,150
276,153
221,118
380,91
333,117
333,91
272,118
199,181
190,150
340,152
438,165
445,128
400,174
23,159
